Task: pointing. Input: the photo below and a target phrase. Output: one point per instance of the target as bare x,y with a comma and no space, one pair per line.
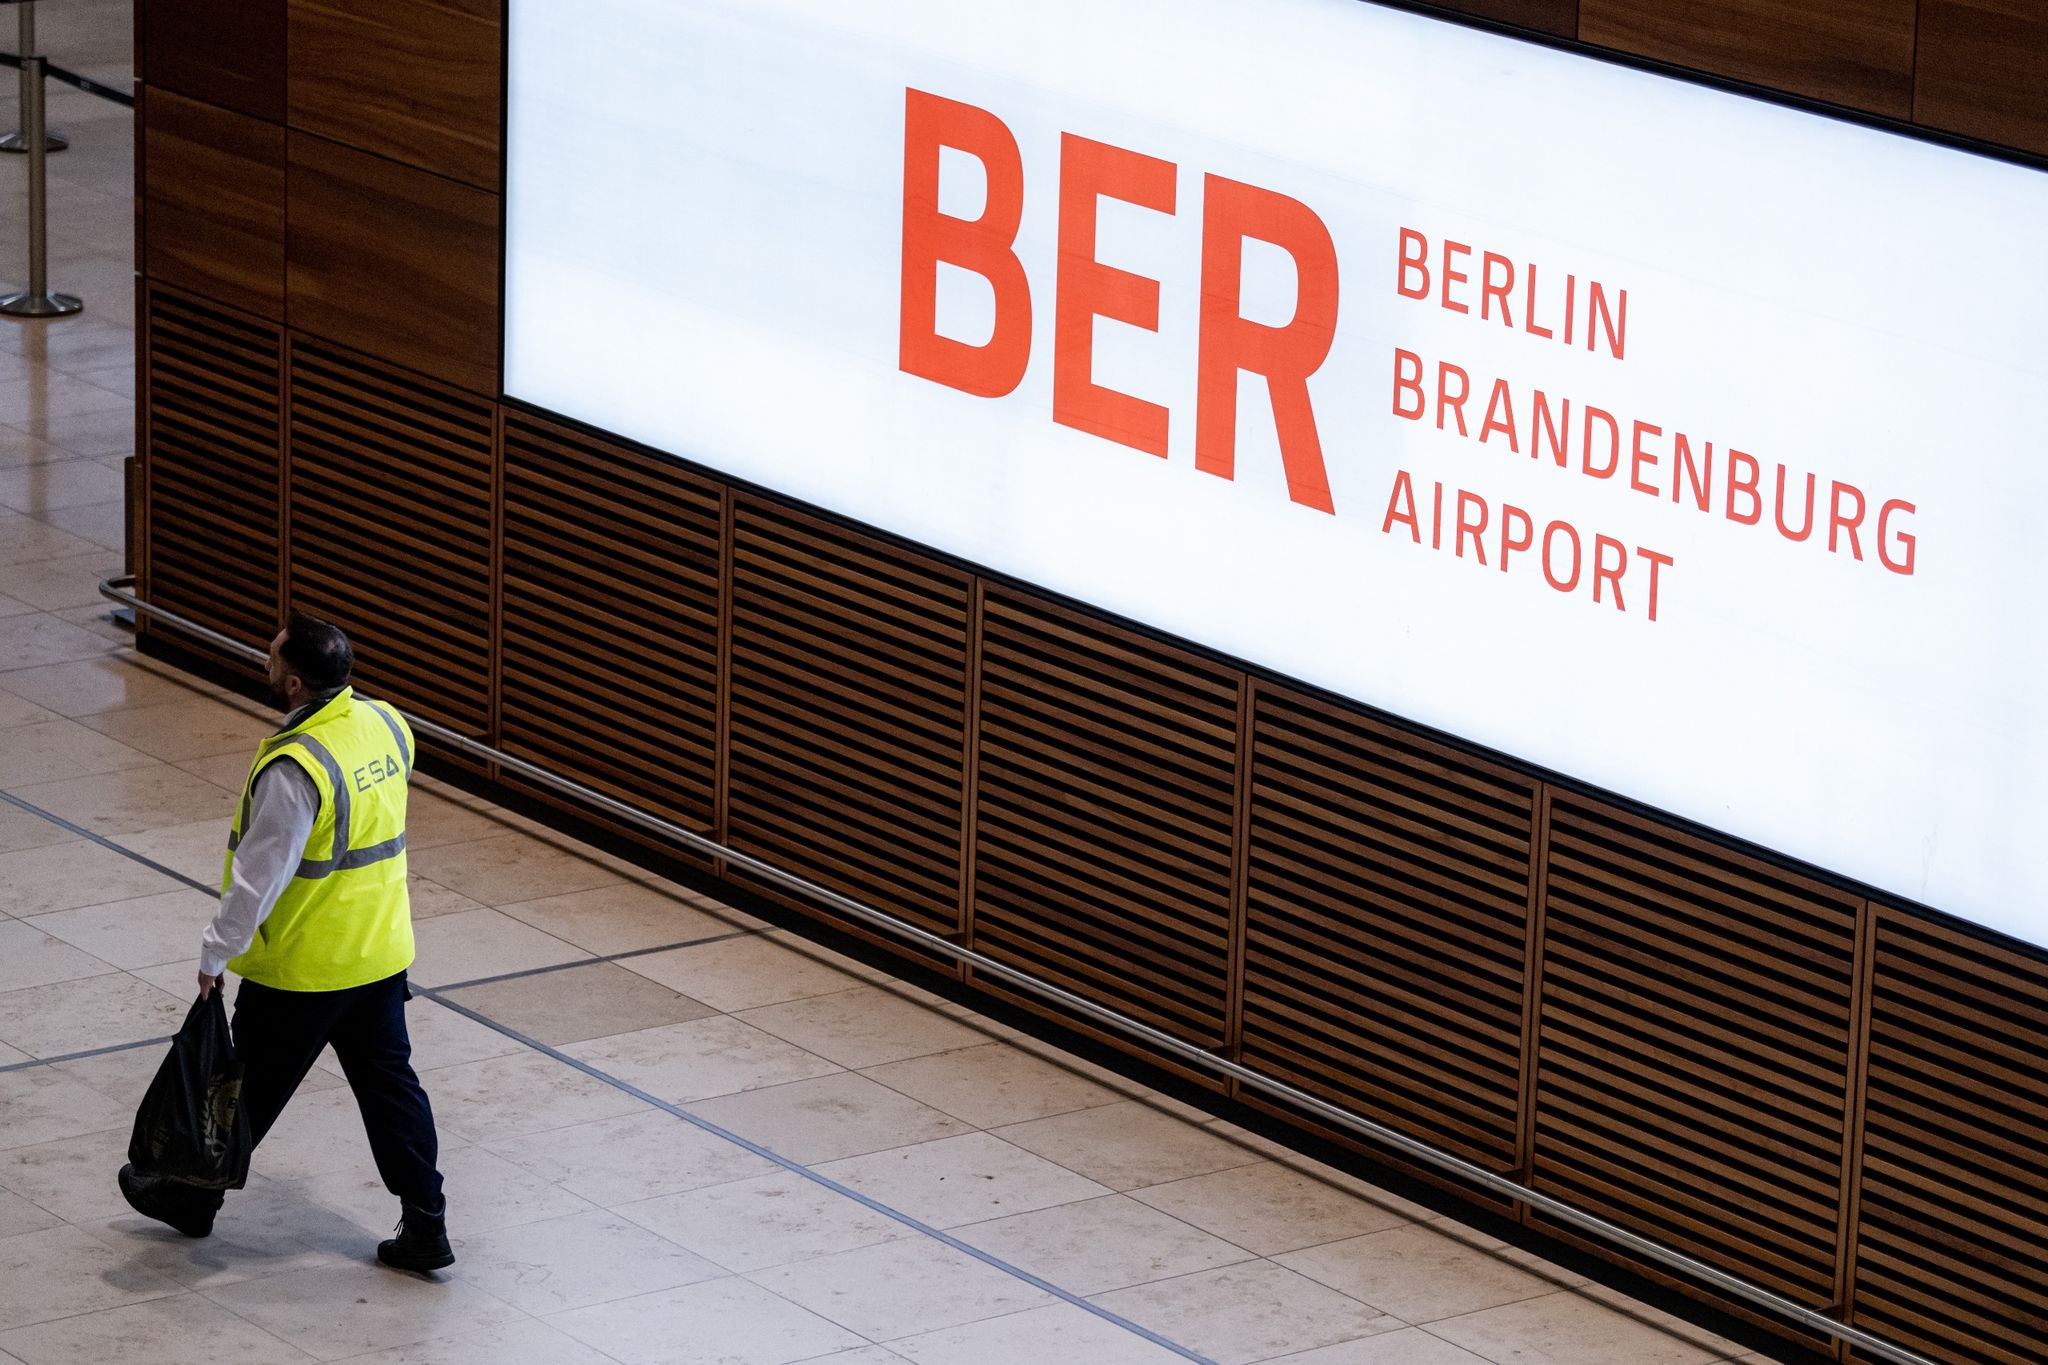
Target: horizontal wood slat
610,618
1386,925
391,527
1106,807
1952,1246
848,712
1694,1046
213,465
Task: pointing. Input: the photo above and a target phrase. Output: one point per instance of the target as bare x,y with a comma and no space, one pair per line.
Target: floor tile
1417,1273
121,1076
442,1038
703,1058
102,683
900,1289
64,1272
828,1118
38,1104
992,1085
103,523
94,433
432,820
17,711
25,540
22,829
1269,1208
77,1016
184,1330
1057,1332
178,730
965,1179
482,943
1096,1245
766,1221
573,1262
19,1215
517,1343
507,1097
507,868
485,1192
317,1133
635,1157
55,749
628,917
128,802
719,1322
72,1177
67,581
431,900
262,1230
226,769
336,1311
198,850
1566,1328
26,641
743,973
1128,1145
1669,1323
36,881
29,956
866,1026
1246,1312
145,932
1408,1346
103,619
578,1004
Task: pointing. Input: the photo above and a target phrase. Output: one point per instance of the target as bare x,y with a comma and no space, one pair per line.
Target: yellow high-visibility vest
345,919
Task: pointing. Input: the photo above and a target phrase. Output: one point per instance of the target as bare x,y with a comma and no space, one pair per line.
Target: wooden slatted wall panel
1105,813
213,465
1952,1250
1694,1059
1386,925
848,712
391,527
611,619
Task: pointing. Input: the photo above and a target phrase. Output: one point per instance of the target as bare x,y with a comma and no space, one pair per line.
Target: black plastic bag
191,1127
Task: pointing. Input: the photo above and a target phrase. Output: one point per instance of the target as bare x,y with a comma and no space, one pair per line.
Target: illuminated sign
1677,441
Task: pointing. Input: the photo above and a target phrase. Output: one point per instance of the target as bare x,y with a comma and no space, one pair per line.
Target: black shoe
421,1243
160,1199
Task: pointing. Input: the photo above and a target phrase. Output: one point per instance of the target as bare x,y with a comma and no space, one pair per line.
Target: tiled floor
671,1134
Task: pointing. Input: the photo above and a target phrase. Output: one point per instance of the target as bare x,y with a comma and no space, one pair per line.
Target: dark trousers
280,1034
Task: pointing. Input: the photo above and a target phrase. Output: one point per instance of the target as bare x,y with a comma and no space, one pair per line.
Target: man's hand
208,985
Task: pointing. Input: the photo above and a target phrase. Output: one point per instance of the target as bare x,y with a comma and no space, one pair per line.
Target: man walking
315,919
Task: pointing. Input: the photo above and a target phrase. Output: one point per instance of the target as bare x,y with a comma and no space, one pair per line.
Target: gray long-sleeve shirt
282,811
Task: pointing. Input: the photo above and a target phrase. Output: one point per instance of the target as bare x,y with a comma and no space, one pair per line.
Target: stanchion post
18,141
37,301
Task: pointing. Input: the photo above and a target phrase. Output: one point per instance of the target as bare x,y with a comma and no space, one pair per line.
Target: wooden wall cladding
225,52
1386,925
848,712
213,184
413,80
1952,1245
391,498
393,261
611,619
1560,18
1693,1080
1106,808
213,464
1857,53
1981,69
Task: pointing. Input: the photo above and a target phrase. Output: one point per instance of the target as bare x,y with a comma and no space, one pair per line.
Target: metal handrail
1183,1051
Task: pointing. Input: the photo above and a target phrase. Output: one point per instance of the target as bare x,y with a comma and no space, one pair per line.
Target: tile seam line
804,1172
676,1111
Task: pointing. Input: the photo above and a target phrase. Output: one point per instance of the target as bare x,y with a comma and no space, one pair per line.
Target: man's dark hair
318,652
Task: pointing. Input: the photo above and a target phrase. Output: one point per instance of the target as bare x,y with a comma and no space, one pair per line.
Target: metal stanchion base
15,142
27,305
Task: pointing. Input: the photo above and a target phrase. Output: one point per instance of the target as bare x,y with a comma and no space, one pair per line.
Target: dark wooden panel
1857,53
214,195
213,463
1982,69
848,712
1559,17
393,262
1952,1248
391,528
1694,1034
225,52
1386,925
413,80
611,618
1106,806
